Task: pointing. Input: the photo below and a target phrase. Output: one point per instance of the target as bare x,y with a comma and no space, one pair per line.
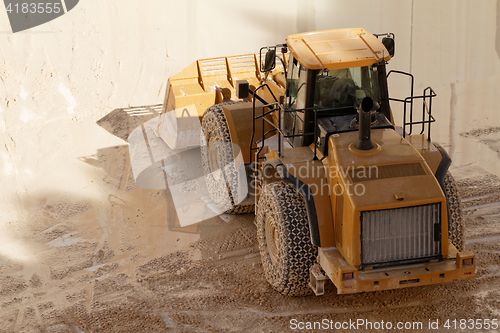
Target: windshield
339,89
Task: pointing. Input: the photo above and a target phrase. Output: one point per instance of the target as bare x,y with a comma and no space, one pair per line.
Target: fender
443,165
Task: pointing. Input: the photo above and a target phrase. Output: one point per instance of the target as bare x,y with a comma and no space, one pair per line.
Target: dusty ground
123,264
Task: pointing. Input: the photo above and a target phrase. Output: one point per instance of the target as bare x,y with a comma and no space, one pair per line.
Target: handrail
314,134
273,107
255,96
428,94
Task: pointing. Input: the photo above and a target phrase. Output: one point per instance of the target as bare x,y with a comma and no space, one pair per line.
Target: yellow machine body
339,211
399,173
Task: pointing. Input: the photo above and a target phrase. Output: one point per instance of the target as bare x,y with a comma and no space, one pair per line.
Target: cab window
339,89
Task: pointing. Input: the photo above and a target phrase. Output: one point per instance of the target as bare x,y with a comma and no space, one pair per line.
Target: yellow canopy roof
339,48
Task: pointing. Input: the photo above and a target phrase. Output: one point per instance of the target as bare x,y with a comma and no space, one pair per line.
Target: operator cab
323,89
333,94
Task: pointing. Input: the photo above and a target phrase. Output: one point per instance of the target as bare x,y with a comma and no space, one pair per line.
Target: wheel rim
271,239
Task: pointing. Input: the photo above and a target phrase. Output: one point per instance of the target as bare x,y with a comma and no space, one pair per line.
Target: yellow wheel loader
303,134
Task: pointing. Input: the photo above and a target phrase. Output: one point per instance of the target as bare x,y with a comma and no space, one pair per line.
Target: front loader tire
284,239
456,226
218,161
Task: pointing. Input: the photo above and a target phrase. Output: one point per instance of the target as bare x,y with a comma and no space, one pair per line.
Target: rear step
317,279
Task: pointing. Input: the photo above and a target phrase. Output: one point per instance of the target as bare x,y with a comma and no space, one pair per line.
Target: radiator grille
401,234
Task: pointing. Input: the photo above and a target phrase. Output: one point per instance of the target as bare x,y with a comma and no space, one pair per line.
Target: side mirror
389,45
270,60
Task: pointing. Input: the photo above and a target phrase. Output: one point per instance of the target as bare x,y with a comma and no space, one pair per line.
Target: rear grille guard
400,235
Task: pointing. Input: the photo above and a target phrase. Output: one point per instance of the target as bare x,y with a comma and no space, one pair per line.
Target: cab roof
338,48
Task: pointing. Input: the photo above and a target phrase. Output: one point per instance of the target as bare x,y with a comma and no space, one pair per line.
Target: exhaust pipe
365,109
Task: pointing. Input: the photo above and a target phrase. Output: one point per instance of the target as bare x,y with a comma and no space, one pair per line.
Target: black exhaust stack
365,109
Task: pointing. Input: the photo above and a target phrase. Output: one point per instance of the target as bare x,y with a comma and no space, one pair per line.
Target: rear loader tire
456,226
284,239
217,153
